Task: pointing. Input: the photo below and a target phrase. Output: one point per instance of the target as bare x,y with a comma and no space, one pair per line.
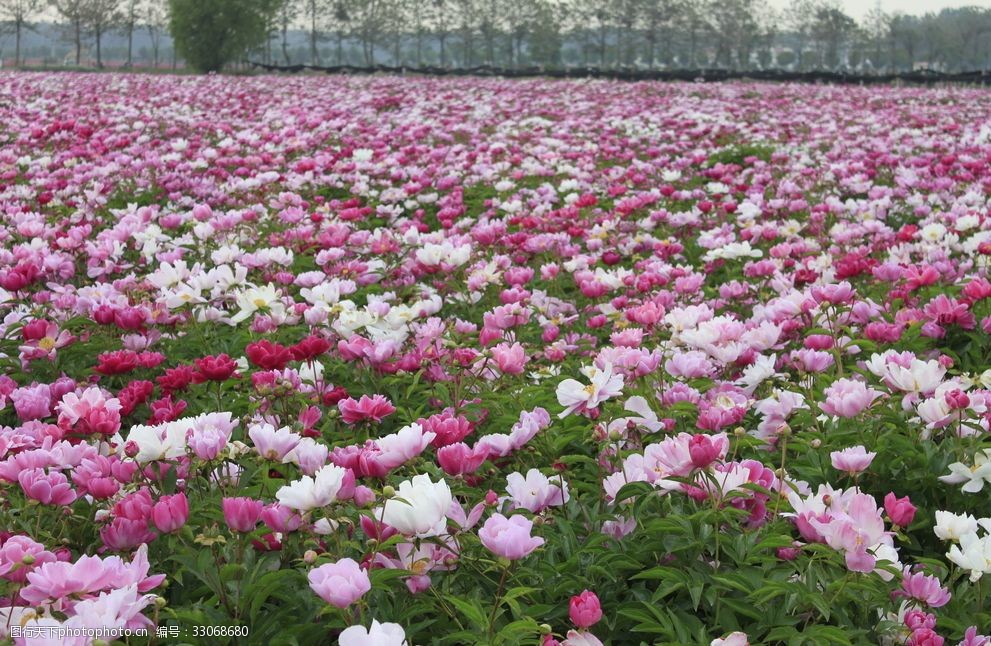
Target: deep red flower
166,410
268,355
117,362
134,394
215,368
176,379
310,347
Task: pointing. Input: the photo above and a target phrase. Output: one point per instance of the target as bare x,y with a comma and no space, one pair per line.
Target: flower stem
498,601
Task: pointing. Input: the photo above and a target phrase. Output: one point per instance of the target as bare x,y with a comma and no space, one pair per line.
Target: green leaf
473,612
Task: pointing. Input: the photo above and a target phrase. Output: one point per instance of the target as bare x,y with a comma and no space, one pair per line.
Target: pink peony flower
901,511
509,537
340,584
90,413
20,555
32,402
48,488
704,451
848,398
123,534
923,588
273,444
375,408
584,609
510,359
852,460
536,492
170,512
459,459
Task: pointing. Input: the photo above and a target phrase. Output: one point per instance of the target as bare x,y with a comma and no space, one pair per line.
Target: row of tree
87,21
649,34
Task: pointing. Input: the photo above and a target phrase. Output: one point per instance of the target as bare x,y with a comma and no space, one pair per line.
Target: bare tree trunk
468,49
314,52
154,36
98,33
79,40
285,39
602,46
18,24
130,42
693,45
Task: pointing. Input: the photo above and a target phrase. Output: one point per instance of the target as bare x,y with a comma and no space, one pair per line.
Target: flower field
374,360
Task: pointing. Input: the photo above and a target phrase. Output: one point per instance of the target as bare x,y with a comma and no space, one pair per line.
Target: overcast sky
859,8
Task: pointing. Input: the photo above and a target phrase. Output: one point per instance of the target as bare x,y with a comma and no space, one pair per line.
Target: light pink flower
536,492
509,537
12,554
852,460
848,398
273,444
510,359
340,584
923,588
48,488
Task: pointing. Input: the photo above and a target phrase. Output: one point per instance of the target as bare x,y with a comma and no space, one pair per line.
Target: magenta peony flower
374,408
901,511
242,514
170,512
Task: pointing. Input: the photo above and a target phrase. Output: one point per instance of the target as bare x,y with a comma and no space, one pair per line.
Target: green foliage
738,154
211,33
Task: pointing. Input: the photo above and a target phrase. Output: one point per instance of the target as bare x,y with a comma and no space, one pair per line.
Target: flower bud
584,609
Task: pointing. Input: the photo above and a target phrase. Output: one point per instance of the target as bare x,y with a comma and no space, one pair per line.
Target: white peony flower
312,492
376,635
950,526
973,554
419,507
974,476
573,394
